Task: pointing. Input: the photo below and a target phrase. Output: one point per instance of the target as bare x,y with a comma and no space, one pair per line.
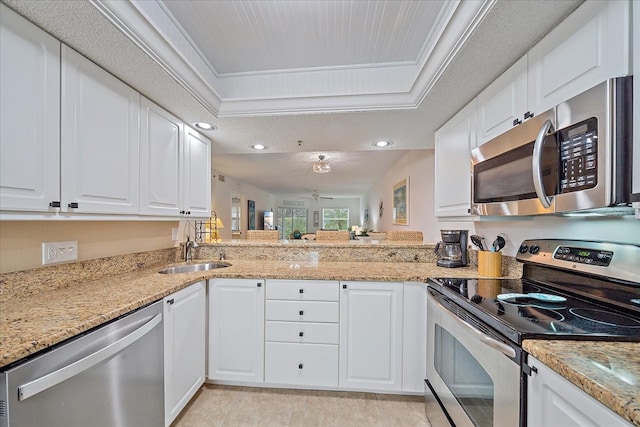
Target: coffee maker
452,250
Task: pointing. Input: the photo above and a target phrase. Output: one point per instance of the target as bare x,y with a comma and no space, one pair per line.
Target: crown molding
358,88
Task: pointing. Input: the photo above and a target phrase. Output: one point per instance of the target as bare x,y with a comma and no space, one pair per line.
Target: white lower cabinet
414,337
554,401
236,330
184,347
371,335
301,364
302,333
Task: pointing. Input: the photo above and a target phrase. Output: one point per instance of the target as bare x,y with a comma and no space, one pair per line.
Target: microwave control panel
578,156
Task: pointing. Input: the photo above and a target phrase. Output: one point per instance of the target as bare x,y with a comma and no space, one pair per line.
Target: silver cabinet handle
493,343
537,158
41,384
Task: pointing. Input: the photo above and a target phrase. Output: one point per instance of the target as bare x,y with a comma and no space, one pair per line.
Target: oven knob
534,249
523,249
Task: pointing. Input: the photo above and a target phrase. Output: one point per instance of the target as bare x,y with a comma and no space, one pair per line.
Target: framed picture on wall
401,202
252,215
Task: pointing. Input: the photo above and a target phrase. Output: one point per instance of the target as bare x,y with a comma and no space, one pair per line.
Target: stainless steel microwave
573,157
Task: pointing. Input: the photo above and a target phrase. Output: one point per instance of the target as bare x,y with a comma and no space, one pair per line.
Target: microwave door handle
537,166
493,343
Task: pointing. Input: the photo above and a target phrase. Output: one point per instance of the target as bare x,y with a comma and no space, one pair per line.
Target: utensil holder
490,264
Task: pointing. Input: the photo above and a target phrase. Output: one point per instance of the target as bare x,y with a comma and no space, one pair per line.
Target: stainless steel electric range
476,370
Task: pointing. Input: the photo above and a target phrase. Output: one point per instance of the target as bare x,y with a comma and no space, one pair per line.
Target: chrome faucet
188,249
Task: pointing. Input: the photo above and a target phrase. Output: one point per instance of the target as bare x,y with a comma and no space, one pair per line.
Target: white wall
221,203
418,165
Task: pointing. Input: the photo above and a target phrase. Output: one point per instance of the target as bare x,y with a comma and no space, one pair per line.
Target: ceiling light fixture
322,165
204,126
382,144
259,147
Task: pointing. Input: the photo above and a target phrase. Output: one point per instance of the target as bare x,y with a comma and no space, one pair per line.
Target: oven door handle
537,163
493,343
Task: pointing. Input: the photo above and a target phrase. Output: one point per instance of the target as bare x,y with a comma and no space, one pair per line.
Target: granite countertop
33,322
607,371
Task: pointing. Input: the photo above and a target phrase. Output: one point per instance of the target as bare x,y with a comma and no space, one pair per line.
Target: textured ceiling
508,30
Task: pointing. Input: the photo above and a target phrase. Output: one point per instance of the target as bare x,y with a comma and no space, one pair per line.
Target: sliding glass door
291,219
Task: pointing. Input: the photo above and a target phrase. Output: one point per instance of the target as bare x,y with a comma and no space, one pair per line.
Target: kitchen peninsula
46,306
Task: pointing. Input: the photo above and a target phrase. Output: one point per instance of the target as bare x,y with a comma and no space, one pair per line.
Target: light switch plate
174,234
56,252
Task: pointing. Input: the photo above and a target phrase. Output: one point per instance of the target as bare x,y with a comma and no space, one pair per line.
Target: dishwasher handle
41,384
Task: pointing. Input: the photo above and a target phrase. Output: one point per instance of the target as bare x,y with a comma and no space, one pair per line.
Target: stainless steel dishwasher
112,376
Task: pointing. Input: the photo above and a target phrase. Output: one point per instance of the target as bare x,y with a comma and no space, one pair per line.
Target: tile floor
226,406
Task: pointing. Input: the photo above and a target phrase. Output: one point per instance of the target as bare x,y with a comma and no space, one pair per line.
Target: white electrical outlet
55,252
174,234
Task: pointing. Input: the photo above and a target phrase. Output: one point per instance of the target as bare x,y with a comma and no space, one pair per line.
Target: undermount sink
190,268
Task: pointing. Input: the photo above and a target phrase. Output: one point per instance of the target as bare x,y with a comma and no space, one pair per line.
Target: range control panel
584,256
611,260
578,156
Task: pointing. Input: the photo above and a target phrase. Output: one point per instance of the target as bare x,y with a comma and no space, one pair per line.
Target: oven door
472,374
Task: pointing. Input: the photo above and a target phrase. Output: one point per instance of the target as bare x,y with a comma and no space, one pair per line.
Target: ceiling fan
316,195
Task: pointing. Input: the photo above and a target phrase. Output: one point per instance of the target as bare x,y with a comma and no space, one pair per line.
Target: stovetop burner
605,317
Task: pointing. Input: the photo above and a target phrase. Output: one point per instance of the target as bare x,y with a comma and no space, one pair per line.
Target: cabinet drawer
303,290
303,332
303,311
305,364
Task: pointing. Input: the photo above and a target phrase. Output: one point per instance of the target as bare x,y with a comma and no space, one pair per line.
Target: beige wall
21,241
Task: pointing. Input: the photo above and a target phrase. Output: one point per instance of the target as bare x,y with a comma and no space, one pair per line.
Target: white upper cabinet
197,175
503,103
100,139
29,115
161,141
371,335
454,142
589,47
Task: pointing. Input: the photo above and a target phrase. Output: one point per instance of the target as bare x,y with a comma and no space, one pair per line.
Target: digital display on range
583,256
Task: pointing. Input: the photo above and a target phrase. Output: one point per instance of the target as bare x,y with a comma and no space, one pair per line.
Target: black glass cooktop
559,316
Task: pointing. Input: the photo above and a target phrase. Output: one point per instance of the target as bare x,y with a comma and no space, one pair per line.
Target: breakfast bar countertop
607,371
32,320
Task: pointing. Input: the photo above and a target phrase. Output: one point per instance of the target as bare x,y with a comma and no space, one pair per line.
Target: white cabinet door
587,48
371,335
197,175
99,139
29,115
454,142
161,136
502,105
553,401
236,330
414,337
184,347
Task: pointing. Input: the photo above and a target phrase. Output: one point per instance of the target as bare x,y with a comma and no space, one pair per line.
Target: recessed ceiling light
204,126
259,147
381,144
